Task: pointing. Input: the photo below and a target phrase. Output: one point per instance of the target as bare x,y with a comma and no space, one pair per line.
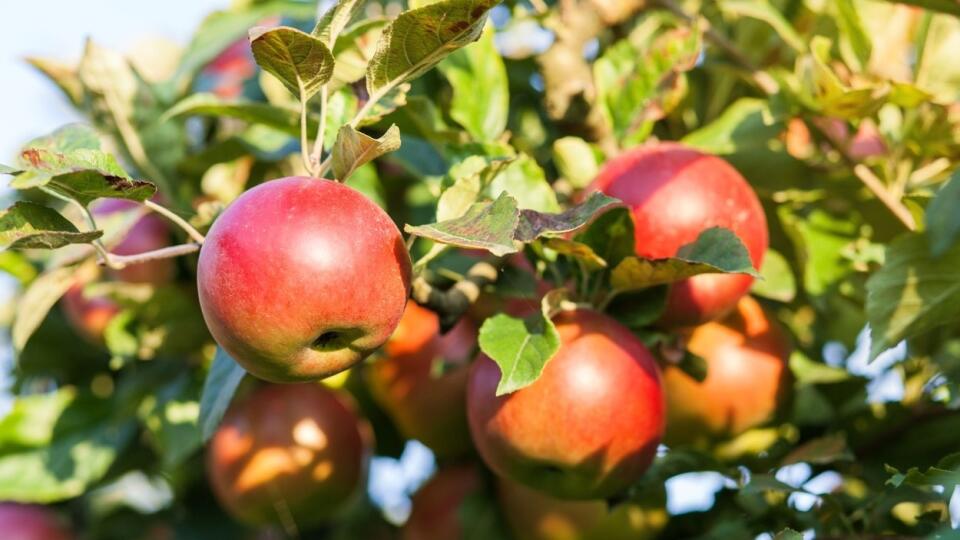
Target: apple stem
452,303
119,262
193,233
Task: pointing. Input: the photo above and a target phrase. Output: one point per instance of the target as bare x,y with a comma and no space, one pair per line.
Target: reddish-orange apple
436,505
746,356
426,404
288,452
588,427
301,278
31,522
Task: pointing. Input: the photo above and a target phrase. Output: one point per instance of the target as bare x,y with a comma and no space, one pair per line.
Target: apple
532,515
746,356
301,278
31,522
288,452
436,505
588,427
90,315
226,74
675,193
426,405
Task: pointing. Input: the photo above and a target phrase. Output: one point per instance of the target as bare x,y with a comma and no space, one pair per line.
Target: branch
119,262
317,155
182,223
452,303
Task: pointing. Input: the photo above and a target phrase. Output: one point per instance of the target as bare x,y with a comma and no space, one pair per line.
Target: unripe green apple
288,452
532,515
300,279
588,427
746,356
674,193
425,404
31,522
436,505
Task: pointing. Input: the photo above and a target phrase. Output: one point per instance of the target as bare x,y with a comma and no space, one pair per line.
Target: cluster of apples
300,279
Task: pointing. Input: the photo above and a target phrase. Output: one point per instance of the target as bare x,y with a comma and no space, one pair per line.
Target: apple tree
602,258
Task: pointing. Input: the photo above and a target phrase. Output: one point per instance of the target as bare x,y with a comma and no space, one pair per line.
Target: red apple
532,515
746,356
288,452
31,522
436,505
674,194
588,427
300,279
426,405
89,316
226,73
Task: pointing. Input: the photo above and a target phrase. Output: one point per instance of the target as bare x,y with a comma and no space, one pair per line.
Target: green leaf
171,415
36,302
946,473
205,104
943,221
222,381
6,169
808,372
489,226
853,35
17,265
520,347
302,62
29,225
481,94
335,19
912,293
788,534
61,74
352,149
762,10
420,38
526,182
472,177
744,125
535,224
778,282
66,448
639,84
84,175
578,251
66,139
480,518
821,451
575,160
610,236
221,28
716,250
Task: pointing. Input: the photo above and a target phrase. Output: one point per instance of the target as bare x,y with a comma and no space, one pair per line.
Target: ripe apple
746,356
436,505
288,452
426,405
300,279
588,427
532,515
31,522
674,194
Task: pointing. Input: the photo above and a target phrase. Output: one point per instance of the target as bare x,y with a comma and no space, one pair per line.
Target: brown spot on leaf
478,12
458,27
32,155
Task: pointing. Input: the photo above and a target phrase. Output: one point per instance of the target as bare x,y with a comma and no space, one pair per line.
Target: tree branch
193,233
452,303
119,262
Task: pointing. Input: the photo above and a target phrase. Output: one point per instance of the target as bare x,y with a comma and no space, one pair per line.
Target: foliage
843,116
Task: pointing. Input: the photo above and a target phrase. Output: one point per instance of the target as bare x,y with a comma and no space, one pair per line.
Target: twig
119,262
761,78
875,185
182,223
317,155
304,142
452,303
539,6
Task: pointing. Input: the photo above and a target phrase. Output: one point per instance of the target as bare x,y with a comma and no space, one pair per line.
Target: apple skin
436,505
532,515
31,522
426,406
89,316
301,444
675,193
300,279
605,387
747,376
